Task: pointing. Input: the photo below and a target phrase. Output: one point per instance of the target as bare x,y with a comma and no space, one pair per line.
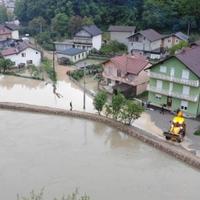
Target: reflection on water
21,90
61,153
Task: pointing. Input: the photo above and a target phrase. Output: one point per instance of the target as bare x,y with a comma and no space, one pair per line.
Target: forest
53,19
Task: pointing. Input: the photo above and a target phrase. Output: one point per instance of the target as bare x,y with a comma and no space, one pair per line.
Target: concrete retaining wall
176,151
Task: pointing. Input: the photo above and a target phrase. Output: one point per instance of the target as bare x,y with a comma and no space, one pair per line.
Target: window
29,62
159,84
36,52
186,90
23,54
119,73
158,96
74,57
79,56
185,74
172,72
184,105
163,69
169,41
82,54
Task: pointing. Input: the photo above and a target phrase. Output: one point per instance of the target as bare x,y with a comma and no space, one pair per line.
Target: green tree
37,24
45,40
60,23
3,14
99,101
178,47
130,111
118,101
5,64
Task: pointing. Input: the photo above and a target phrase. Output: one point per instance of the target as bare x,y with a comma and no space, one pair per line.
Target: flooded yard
61,153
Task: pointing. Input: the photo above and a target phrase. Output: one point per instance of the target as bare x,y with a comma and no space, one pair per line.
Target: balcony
86,41
173,94
174,79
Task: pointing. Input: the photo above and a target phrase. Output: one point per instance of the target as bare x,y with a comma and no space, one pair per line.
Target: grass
48,67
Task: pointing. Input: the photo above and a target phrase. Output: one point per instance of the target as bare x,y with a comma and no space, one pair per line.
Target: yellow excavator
177,129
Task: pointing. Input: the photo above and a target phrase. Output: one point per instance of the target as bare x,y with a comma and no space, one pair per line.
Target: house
22,53
62,46
127,74
88,38
169,41
175,82
121,33
14,30
146,42
5,33
73,54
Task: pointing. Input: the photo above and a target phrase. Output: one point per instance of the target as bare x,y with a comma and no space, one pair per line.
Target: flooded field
61,153
21,90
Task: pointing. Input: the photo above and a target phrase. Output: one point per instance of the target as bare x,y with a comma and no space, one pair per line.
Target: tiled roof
93,30
132,64
122,28
71,51
16,48
191,58
4,30
12,26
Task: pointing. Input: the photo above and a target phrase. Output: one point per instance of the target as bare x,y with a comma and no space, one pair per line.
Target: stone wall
174,150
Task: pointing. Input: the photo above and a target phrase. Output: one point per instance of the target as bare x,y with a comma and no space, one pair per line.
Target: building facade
127,74
175,82
121,33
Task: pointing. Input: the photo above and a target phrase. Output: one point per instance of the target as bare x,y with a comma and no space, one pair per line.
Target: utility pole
53,57
84,85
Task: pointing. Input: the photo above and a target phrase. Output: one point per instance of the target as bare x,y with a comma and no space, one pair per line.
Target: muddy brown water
62,153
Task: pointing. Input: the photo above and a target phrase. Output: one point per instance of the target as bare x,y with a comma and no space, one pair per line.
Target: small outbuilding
73,54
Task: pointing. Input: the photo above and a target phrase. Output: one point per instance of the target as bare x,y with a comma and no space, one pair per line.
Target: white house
22,54
73,54
121,33
89,37
147,42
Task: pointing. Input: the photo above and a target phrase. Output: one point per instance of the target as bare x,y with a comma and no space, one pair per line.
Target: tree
3,14
45,40
178,47
131,111
37,24
118,101
5,64
99,101
75,23
60,23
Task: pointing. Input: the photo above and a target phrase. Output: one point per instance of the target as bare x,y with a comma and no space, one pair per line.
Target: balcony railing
83,41
174,79
173,94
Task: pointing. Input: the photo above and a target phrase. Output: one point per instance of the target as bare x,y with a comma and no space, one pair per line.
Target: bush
113,47
77,75
197,132
99,101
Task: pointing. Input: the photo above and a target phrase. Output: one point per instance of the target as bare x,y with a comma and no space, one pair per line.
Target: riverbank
174,150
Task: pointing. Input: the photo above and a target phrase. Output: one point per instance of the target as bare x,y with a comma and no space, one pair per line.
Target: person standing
71,106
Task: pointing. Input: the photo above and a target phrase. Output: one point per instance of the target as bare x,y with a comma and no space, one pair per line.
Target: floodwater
61,154
21,90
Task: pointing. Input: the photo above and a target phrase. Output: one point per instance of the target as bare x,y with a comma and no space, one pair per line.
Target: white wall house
73,54
25,56
121,33
89,37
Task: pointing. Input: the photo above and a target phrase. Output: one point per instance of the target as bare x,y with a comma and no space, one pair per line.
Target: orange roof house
126,74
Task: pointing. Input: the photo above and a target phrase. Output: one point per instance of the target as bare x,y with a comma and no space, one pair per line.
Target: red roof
9,51
132,64
4,30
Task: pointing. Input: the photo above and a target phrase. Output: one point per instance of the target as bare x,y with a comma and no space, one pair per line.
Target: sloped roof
4,30
132,64
71,51
150,34
121,28
12,26
19,47
182,36
93,30
191,58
